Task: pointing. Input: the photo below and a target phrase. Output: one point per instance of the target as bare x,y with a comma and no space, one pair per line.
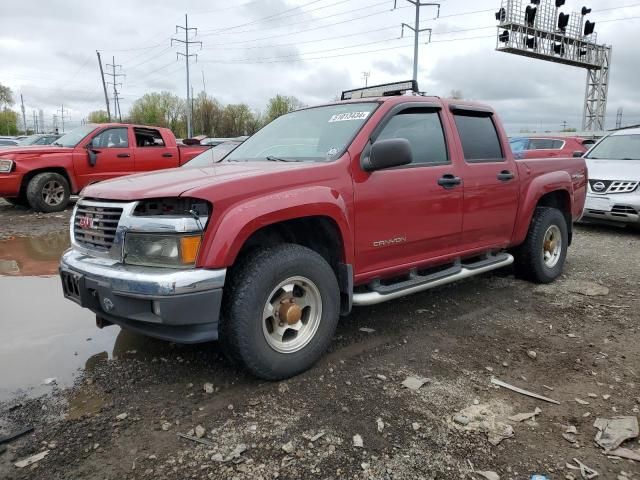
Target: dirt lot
575,341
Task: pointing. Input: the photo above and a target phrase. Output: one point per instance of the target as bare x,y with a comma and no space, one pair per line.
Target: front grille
95,226
616,186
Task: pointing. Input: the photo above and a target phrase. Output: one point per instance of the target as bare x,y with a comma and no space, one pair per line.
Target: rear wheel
280,311
48,192
542,255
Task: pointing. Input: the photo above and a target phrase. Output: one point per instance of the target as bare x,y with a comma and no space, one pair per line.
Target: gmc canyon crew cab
356,202
44,177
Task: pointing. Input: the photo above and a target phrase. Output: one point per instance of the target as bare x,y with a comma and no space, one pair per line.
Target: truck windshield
75,136
617,147
317,134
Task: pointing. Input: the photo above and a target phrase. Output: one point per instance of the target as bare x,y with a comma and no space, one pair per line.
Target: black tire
246,294
529,257
36,193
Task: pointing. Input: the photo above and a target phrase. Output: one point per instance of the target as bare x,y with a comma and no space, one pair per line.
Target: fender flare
236,224
559,181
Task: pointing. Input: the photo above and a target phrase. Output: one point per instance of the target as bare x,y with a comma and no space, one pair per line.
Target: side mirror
93,156
393,152
578,154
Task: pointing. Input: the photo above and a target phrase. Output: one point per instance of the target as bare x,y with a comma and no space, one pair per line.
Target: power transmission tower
619,118
365,77
186,42
104,87
24,117
61,110
114,76
417,30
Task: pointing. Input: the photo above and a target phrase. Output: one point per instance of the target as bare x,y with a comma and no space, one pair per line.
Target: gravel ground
575,341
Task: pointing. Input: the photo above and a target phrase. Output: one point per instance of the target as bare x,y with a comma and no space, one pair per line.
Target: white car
613,195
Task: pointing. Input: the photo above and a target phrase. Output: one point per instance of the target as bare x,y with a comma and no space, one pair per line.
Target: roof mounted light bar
384,90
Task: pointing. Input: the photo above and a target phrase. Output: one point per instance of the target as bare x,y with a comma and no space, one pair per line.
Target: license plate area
71,285
599,203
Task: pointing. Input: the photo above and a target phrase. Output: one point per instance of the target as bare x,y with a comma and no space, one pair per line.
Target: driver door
113,156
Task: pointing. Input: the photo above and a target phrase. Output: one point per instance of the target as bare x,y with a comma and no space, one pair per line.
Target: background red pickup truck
45,177
352,203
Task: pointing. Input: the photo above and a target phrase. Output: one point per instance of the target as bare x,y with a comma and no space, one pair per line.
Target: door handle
123,155
449,181
505,176
167,155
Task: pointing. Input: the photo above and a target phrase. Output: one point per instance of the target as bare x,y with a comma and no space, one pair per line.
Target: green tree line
209,117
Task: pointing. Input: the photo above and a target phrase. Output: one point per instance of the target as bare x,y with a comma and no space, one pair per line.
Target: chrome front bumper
613,208
177,305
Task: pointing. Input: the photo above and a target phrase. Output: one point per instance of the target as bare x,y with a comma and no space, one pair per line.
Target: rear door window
479,137
148,137
541,144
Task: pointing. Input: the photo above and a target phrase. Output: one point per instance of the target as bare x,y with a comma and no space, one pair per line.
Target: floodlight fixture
531,43
586,11
530,15
563,21
589,28
535,2
504,36
560,3
501,15
558,48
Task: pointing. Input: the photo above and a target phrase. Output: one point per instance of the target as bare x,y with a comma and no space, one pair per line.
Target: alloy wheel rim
53,193
552,246
291,315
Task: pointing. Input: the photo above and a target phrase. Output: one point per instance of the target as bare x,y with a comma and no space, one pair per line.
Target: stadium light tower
537,29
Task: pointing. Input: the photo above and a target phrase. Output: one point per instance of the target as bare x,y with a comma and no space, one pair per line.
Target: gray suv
613,195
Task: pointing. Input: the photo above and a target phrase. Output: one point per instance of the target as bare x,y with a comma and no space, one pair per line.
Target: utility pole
416,30
24,117
619,118
204,85
365,77
564,125
35,122
186,42
114,76
54,120
61,110
104,87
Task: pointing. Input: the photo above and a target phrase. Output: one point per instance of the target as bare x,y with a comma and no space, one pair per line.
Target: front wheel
280,311
48,192
542,255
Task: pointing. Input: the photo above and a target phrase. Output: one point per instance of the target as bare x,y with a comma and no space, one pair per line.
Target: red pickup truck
45,177
355,202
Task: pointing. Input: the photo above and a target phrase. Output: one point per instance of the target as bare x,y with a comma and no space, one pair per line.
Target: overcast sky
253,49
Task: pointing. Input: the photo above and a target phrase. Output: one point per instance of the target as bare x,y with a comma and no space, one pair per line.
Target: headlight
6,165
161,250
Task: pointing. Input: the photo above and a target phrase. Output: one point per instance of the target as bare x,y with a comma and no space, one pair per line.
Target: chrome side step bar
416,283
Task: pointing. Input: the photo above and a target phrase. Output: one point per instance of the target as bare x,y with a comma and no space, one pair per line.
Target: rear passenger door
491,183
403,215
544,147
151,152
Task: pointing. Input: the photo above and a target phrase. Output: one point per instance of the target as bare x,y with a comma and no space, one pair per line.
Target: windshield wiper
271,158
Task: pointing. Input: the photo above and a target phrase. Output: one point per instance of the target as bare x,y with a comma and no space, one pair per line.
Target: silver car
613,195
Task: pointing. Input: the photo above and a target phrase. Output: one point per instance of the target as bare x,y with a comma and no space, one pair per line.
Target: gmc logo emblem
86,223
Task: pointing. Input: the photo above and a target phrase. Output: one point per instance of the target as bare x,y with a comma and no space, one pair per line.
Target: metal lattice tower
533,30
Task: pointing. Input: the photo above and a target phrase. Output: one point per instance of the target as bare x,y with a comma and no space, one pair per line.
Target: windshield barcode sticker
343,117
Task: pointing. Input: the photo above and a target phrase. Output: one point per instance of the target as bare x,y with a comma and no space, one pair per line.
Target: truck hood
176,181
33,150
613,169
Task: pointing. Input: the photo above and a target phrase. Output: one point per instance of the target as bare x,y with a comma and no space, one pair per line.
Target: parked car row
36,139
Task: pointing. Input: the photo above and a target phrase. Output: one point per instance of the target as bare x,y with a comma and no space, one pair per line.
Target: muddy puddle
46,340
